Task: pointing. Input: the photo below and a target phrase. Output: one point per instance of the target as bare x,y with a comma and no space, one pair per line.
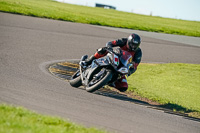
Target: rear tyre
97,83
75,80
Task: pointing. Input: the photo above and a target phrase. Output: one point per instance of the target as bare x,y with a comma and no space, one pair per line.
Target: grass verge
20,120
174,85
98,16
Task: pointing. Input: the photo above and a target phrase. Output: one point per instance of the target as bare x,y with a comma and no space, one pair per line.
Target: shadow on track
167,108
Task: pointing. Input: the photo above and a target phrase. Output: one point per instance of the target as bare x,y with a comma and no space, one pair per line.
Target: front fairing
104,61
96,65
125,58
126,62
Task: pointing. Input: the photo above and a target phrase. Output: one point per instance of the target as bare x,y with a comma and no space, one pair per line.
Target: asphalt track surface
28,45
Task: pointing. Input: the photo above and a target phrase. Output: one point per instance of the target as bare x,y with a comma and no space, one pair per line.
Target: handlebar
110,49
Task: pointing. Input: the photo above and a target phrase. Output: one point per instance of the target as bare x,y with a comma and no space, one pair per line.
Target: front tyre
75,80
98,82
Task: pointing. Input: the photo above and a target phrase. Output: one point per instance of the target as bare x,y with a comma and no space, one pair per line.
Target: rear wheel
75,80
99,80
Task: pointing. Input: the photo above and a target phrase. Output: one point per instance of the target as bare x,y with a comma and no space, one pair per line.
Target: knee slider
123,89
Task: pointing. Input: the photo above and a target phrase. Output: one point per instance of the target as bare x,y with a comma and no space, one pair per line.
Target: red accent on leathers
121,83
114,42
126,49
97,55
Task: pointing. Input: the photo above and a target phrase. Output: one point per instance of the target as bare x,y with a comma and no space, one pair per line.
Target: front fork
83,78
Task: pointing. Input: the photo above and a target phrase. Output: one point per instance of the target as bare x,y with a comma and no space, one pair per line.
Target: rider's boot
100,53
88,61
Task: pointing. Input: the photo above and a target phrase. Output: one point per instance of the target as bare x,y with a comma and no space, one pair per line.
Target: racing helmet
133,42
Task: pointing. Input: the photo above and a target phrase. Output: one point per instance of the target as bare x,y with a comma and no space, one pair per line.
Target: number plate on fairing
116,60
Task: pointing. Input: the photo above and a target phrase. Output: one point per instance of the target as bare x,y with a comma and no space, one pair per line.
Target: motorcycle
102,71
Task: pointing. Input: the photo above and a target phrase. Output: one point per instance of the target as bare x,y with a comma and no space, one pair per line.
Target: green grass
20,120
175,85
98,16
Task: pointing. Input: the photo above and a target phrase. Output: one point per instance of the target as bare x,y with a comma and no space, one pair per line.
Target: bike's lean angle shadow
64,69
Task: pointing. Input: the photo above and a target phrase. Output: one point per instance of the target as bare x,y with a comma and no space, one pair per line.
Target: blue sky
179,9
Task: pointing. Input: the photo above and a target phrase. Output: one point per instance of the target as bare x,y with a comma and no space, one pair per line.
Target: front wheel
102,78
75,80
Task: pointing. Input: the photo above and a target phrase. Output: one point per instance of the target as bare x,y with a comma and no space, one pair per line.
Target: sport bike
102,71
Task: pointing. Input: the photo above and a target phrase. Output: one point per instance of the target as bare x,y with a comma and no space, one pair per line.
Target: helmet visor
133,45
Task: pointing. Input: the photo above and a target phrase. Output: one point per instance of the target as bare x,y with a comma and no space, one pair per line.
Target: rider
130,44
